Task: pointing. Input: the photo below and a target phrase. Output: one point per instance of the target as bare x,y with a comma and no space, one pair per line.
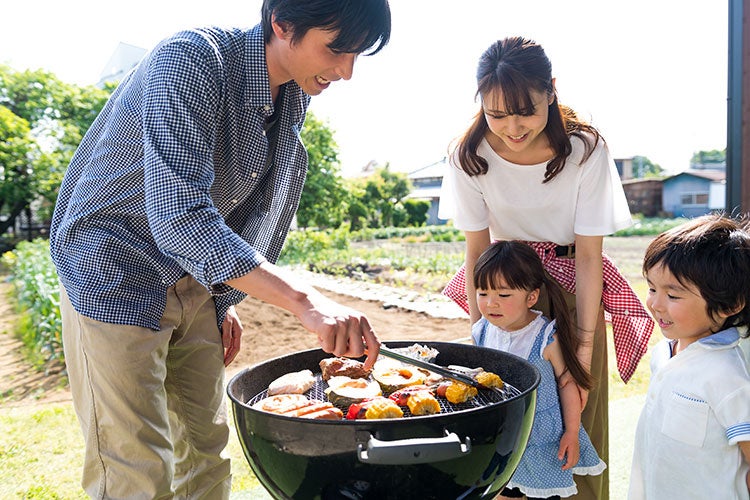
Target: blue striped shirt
174,177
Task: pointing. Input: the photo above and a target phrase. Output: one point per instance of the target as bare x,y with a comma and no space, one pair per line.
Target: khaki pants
151,403
595,417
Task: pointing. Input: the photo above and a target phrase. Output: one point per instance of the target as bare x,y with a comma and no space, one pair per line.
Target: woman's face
521,133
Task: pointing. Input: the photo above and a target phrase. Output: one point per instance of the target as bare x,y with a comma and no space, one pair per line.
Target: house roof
436,169
711,175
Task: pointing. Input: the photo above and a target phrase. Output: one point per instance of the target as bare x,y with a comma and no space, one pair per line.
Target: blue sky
652,75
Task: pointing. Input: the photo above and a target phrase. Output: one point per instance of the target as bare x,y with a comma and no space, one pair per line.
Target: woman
528,169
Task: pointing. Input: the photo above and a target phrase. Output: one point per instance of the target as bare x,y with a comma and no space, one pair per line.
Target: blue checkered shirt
174,177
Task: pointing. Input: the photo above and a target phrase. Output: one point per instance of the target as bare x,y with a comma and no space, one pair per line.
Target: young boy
693,436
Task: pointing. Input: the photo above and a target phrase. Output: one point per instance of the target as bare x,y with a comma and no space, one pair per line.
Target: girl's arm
570,404
745,447
588,297
476,243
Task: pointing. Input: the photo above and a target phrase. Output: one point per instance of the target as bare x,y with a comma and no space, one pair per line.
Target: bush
37,300
644,226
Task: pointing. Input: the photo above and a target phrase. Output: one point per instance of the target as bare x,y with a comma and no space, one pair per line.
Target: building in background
694,192
123,59
644,196
624,168
427,182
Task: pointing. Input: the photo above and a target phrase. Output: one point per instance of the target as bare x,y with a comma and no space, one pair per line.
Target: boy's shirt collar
725,339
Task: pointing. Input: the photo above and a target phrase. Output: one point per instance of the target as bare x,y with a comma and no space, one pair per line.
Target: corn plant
37,300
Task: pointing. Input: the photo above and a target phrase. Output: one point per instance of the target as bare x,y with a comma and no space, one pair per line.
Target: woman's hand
231,335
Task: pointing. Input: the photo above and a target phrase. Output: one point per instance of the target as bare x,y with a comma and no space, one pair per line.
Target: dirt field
269,332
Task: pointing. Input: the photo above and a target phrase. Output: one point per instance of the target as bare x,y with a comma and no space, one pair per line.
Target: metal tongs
442,370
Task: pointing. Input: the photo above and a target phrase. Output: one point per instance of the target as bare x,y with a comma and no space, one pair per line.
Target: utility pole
738,109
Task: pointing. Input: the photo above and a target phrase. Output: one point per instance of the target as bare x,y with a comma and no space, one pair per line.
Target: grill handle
413,451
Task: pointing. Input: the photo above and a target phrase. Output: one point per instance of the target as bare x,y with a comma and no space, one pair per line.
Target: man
175,205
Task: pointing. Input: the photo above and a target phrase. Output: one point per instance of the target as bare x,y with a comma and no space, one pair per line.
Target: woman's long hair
517,66
521,268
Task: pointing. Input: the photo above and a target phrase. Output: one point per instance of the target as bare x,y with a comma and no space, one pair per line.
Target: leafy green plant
644,226
37,300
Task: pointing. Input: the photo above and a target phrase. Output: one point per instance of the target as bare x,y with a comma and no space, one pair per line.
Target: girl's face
521,134
679,309
507,308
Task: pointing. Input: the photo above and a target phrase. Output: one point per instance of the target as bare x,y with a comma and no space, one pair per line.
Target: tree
644,168
323,202
17,151
417,212
379,196
712,157
57,116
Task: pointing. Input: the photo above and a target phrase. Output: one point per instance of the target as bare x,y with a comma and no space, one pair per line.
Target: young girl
508,277
693,436
528,169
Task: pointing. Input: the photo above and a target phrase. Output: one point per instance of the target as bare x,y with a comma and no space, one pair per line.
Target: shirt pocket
686,419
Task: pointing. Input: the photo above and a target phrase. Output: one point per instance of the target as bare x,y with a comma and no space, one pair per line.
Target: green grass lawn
41,452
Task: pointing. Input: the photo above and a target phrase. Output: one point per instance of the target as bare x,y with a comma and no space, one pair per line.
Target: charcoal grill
469,450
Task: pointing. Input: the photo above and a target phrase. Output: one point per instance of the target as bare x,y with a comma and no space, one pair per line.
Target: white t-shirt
697,410
510,199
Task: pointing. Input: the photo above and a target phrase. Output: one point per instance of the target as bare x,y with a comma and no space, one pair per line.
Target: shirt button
235,201
254,175
626,312
266,108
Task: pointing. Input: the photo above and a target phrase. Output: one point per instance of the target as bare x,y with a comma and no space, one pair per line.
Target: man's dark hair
360,25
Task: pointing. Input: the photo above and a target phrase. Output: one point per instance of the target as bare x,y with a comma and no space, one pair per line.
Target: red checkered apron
632,326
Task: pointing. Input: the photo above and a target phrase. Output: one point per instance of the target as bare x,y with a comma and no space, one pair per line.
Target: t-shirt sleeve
733,412
602,207
457,185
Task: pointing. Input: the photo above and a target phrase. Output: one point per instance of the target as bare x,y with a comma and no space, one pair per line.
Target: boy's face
310,62
507,308
679,309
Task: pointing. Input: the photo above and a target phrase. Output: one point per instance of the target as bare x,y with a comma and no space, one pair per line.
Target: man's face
312,64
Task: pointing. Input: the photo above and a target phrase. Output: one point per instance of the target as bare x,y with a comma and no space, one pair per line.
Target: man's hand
231,335
341,330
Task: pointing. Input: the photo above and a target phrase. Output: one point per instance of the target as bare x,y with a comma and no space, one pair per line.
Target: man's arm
341,330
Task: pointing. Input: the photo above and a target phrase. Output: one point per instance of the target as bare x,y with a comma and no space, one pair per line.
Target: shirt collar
258,88
721,340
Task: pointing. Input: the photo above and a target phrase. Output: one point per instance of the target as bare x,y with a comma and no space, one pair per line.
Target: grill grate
485,397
